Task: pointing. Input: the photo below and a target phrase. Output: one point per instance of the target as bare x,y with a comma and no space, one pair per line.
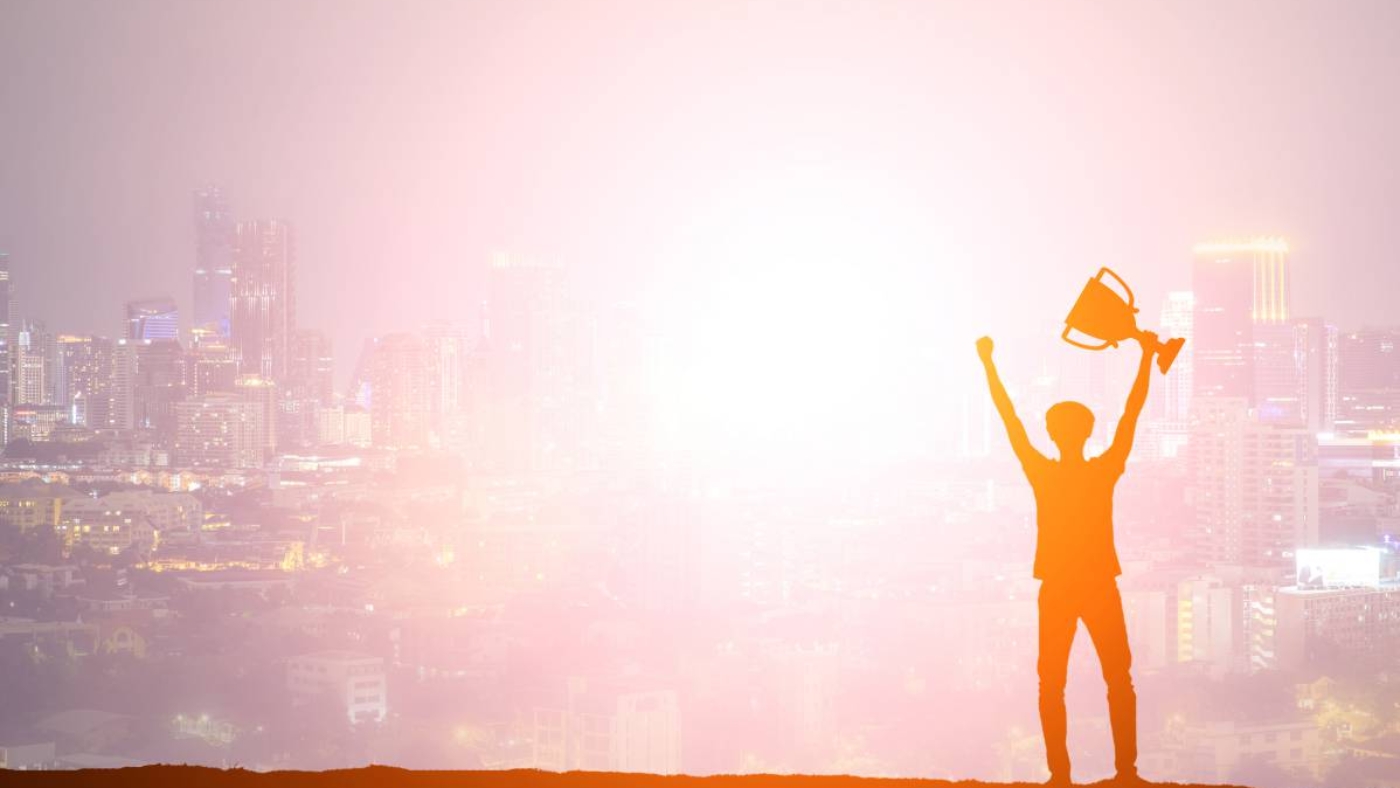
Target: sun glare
814,329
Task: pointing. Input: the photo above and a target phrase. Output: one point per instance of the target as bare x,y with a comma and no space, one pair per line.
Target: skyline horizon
645,146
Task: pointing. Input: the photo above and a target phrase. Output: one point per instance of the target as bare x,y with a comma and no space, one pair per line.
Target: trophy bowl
1104,315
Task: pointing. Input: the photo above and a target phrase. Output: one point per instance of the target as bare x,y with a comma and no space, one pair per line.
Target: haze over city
626,139
593,386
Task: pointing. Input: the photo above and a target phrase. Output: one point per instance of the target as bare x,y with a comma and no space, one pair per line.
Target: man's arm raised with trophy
1127,426
1111,318
1020,441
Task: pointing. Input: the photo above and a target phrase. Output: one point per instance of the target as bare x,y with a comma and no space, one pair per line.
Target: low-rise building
43,578
31,503
608,728
1359,626
50,638
1216,751
96,524
357,681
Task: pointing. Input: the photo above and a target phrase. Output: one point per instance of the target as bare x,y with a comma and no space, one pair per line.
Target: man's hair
1069,422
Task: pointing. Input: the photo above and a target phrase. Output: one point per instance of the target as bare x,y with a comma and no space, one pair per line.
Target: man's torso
1074,518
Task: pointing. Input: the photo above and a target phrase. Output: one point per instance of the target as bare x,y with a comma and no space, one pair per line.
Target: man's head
1070,424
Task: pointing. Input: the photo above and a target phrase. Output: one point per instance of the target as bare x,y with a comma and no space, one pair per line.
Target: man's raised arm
1015,430
1127,426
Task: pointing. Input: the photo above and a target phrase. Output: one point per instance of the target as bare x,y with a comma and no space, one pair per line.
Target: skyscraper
1295,373
153,318
1237,285
122,413
213,261
161,383
263,305
1368,380
1178,321
310,387
213,368
263,393
1254,486
6,329
311,369
33,364
85,379
399,392
447,348
533,354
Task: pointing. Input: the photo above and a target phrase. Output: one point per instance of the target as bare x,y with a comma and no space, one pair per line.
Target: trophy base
1167,353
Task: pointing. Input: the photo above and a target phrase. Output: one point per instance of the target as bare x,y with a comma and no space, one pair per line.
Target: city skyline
620,387
439,213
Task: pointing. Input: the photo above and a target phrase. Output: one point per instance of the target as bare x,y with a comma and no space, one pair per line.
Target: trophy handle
1131,301
1065,336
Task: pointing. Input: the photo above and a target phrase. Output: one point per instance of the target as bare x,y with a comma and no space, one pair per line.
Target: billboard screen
1339,568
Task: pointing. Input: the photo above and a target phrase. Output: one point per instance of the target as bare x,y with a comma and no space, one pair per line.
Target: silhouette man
1075,559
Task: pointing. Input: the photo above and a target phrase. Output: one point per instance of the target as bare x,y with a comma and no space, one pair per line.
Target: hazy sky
955,149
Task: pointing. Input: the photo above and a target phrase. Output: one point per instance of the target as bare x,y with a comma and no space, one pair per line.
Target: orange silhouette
1075,559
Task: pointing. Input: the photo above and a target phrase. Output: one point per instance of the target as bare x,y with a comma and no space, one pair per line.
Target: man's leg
1058,620
1103,617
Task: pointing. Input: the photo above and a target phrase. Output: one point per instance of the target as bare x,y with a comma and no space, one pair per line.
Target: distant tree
53,452
1351,771
39,545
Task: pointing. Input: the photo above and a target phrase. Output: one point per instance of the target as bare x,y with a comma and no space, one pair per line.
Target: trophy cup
1102,314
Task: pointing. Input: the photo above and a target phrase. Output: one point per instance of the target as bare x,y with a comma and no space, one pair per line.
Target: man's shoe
1129,780
1059,781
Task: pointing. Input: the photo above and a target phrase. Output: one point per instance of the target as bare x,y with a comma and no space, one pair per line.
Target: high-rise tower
1178,321
33,364
263,304
1237,285
6,329
213,262
400,393
85,379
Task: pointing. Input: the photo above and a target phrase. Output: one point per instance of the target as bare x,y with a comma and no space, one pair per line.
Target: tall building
264,394
213,368
122,411
213,262
6,328
448,347
153,319
399,392
310,387
220,430
1319,347
85,380
263,303
33,362
1254,486
1237,286
532,357
1368,380
311,368
1178,320
161,382
1295,373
